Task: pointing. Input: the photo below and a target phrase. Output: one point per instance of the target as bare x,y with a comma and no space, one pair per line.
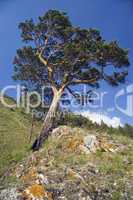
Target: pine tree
60,55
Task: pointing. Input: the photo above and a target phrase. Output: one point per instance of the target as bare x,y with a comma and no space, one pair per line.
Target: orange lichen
36,191
74,144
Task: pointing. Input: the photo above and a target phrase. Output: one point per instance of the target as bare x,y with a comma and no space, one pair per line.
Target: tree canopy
60,54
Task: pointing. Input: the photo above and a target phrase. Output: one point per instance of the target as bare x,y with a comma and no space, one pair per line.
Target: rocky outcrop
66,168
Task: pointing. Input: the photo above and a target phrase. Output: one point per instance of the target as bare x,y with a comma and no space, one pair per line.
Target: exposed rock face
85,143
91,143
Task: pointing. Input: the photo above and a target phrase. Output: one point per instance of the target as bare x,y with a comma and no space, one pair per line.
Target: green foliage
126,130
57,53
80,121
76,120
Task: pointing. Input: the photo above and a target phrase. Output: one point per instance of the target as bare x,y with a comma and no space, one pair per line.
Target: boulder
61,131
91,143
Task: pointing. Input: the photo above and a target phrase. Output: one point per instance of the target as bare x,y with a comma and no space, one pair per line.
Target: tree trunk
48,122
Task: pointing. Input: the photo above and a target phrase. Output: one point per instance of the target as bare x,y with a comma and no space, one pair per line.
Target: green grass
14,135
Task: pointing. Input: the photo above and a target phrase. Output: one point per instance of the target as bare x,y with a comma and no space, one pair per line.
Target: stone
91,143
42,179
106,145
10,194
60,131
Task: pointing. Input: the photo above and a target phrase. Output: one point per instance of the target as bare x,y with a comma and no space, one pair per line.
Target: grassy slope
14,130
109,173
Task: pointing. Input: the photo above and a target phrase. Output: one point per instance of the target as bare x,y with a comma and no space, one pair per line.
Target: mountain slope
65,169
14,135
79,161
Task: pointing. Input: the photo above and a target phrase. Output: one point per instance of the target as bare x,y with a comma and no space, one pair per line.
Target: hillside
79,161
14,135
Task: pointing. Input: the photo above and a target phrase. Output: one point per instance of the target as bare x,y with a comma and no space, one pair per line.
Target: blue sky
112,17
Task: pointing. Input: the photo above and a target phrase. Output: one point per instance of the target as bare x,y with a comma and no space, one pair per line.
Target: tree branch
45,62
88,81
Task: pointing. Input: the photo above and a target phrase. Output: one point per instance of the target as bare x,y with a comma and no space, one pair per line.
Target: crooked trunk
48,122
